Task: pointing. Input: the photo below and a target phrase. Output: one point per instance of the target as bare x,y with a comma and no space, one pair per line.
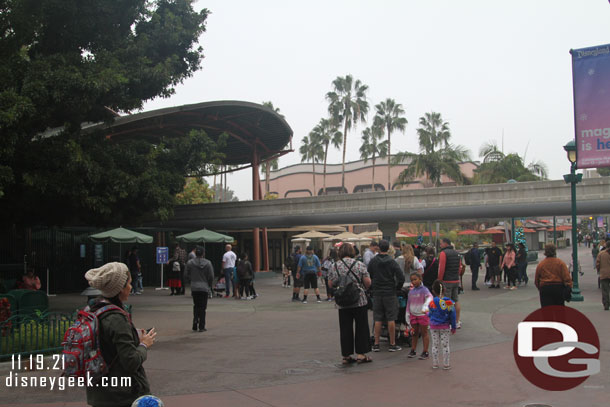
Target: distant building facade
296,181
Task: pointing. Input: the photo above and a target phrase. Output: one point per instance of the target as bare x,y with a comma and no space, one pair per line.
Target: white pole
48,281
161,288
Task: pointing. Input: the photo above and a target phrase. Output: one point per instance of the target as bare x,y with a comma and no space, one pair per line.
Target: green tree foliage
498,168
372,147
437,157
347,104
311,150
604,172
195,191
390,115
327,133
64,63
224,193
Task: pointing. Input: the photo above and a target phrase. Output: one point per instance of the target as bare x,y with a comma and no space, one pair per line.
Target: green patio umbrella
121,235
204,236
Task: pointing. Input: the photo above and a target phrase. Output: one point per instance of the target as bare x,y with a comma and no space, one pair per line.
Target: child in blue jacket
442,324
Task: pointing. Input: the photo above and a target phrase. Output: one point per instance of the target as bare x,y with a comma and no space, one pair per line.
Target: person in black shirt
494,259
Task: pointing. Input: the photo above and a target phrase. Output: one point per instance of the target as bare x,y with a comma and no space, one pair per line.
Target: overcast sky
489,67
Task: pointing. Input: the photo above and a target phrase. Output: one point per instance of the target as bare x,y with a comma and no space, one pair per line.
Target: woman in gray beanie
124,348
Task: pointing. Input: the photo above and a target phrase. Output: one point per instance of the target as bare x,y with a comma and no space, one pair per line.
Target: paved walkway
272,352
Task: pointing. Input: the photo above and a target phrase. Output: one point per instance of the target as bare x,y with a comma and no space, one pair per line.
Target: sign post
162,258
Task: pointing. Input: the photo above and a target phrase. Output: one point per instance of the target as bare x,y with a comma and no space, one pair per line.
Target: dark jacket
449,265
201,273
386,275
430,272
119,337
244,270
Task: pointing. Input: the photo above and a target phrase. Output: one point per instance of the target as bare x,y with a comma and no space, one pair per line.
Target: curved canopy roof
248,125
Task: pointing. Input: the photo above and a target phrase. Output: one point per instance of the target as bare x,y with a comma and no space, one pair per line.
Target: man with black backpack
387,278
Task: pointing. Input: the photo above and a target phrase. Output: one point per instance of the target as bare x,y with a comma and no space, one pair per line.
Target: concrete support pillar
388,230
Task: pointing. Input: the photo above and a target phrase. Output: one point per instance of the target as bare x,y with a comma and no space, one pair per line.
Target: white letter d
525,338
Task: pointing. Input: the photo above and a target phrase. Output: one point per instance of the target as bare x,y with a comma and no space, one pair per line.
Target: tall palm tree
327,132
347,103
270,165
311,150
437,157
390,115
372,148
266,168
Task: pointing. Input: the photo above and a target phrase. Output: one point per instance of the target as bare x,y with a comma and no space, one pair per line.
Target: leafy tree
311,150
437,156
347,104
372,147
604,172
68,62
196,191
327,133
498,168
224,193
390,115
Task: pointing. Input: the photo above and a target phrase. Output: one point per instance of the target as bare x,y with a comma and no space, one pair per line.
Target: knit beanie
110,279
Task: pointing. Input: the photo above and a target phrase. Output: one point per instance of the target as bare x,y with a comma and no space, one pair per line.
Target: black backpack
467,257
347,294
290,263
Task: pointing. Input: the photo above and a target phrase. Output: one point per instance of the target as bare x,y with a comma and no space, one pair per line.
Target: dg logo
557,348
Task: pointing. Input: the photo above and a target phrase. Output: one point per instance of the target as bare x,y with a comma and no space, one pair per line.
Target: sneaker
448,367
226,296
250,298
424,356
375,348
506,287
394,348
476,289
294,299
139,293
434,366
318,300
202,330
498,286
412,354
513,288
459,325
243,298
304,301
492,286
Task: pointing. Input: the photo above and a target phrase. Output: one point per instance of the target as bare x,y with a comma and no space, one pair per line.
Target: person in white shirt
370,252
228,264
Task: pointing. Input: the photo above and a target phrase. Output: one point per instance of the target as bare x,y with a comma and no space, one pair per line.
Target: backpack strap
349,270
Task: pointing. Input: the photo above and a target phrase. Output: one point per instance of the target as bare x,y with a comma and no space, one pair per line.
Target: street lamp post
572,178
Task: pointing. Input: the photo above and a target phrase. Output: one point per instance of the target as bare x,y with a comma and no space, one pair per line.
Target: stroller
220,287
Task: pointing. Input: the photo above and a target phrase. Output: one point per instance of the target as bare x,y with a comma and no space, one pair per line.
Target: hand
298,276
148,338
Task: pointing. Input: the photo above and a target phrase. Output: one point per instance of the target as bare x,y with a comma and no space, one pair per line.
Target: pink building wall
297,180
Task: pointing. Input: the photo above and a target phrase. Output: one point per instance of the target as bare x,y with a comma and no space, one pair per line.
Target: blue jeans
138,284
229,280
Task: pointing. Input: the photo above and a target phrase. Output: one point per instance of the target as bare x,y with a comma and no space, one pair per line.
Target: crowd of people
375,278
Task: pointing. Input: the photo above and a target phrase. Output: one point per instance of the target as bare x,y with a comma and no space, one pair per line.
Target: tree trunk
313,168
324,176
373,180
389,158
344,148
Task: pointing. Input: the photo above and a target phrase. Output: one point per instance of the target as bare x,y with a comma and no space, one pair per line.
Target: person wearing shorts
309,269
416,315
387,278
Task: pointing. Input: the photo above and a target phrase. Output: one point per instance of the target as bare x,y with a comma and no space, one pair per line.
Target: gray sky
489,67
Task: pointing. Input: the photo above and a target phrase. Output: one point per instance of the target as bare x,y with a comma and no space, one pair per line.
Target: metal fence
34,334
